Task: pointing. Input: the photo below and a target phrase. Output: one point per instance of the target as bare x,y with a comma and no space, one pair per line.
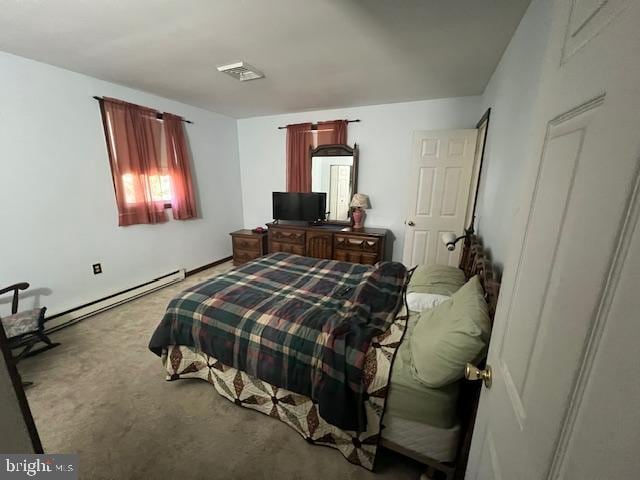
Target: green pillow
436,279
450,335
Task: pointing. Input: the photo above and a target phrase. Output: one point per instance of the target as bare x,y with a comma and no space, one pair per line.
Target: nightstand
248,246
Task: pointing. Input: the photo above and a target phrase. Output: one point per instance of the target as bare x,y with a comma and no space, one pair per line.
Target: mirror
334,171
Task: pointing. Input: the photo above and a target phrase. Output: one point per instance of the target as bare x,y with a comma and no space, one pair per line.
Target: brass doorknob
471,372
410,223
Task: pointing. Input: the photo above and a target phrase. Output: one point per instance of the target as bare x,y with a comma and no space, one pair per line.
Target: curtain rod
314,126
158,115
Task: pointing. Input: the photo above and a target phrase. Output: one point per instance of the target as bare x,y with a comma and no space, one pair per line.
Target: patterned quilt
298,323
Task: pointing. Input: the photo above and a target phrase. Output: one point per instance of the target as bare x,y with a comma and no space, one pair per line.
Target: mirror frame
339,150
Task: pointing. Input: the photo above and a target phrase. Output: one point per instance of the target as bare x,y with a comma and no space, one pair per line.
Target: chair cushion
436,279
450,335
21,322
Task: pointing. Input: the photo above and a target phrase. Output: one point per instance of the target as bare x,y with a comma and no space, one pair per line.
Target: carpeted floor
102,394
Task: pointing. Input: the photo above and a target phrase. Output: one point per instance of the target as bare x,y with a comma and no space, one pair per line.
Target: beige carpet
102,394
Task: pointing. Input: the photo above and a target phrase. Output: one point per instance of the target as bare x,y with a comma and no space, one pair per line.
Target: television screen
308,207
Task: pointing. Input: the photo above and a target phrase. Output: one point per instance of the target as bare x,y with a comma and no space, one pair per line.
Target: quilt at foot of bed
298,411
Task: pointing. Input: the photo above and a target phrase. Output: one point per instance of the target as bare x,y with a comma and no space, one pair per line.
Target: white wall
511,94
58,213
384,136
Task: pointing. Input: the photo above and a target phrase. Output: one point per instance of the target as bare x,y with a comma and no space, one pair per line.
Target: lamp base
358,218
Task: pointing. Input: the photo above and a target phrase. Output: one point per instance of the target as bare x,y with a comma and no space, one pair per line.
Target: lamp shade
448,237
360,200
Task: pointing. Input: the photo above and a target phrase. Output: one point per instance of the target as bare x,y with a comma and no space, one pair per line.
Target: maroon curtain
183,201
332,132
300,139
299,142
133,136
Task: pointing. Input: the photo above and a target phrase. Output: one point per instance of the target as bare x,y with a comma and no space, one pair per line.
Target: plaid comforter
298,323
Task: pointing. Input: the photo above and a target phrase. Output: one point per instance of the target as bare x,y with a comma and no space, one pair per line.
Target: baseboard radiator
74,315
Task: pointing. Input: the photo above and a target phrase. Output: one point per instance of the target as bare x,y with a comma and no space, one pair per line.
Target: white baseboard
75,315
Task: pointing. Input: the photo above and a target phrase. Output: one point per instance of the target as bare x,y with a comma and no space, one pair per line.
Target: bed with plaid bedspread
294,322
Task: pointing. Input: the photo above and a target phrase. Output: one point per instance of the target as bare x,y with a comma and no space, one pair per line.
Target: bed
322,346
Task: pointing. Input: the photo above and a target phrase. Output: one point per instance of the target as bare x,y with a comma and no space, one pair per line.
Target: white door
565,349
439,184
339,190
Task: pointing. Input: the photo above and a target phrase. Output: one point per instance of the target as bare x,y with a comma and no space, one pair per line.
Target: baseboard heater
74,315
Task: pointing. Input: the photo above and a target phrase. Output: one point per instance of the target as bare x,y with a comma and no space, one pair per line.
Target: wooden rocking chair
25,329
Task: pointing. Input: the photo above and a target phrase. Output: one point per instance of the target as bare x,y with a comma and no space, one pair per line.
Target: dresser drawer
247,243
244,256
354,256
287,248
287,236
357,243
331,242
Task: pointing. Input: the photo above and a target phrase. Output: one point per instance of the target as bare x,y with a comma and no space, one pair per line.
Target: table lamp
359,202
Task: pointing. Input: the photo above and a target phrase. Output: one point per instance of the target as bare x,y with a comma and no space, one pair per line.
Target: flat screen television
309,207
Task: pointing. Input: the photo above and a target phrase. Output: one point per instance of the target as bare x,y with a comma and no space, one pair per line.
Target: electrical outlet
97,268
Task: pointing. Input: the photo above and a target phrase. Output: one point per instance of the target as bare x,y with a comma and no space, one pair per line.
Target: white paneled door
339,190
564,353
439,184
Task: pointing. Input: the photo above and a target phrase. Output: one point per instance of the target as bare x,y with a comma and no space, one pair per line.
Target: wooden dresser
248,246
335,242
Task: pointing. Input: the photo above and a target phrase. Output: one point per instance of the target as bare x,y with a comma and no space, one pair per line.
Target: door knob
410,223
471,372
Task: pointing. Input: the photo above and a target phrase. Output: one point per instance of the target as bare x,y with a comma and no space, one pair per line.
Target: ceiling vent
242,71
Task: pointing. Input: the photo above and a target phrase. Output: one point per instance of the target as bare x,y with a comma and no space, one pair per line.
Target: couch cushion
450,335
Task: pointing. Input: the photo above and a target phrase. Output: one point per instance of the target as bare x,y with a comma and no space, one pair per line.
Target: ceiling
315,54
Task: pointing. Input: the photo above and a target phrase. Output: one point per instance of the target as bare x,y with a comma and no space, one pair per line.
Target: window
149,161
159,184
159,188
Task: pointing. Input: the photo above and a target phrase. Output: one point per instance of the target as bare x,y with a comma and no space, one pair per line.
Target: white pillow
419,302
